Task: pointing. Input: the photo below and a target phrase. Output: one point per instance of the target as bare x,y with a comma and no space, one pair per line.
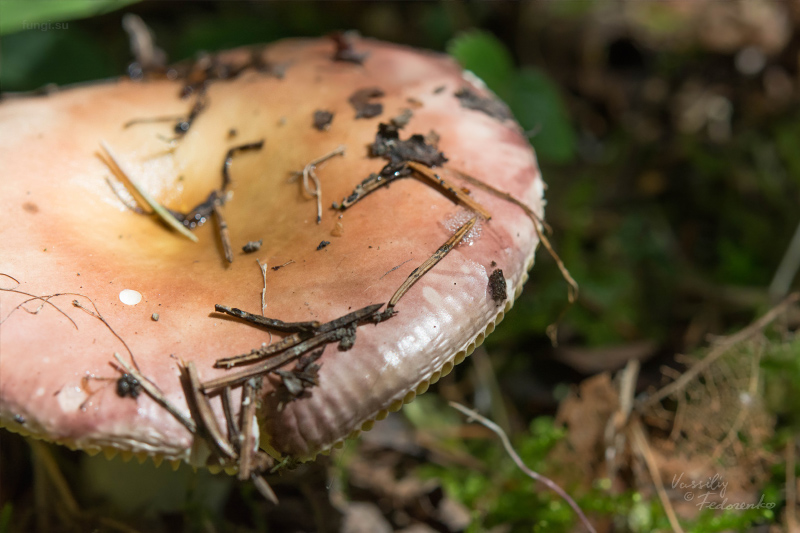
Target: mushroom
69,236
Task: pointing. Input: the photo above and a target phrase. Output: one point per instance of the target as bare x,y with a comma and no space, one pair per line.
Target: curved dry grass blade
522,466
165,215
718,351
448,189
437,256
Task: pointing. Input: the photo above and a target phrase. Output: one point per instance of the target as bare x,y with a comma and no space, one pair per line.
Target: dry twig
573,289
642,446
155,393
309,174
437,256
718,351
521,465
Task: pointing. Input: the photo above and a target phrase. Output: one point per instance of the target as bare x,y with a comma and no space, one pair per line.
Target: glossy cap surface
65,230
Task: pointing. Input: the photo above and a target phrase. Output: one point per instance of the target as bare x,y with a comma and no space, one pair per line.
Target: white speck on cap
71,399
130,297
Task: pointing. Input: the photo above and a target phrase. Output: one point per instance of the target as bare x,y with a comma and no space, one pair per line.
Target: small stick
206,416
9,276
226,165
276,362
317,191
182,127
522,466
170,118
505,196
263,352
369,185
165,215
248,413
643,447
613,435
222,228
234,435
289,262
309,173
437,256
456,194
264,290
293,340
572,285
272,323
349,318
155,393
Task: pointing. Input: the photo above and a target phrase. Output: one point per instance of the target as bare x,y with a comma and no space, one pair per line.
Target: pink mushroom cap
65,230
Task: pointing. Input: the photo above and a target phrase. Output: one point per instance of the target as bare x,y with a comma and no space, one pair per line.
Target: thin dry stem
222,229
752,391
234,435
456,194
718,351
248,414
437,256
117,166
155,393
643,447
614,435
309,174
791,486
211,430
100,317
538,222
263,268
521,465
45,299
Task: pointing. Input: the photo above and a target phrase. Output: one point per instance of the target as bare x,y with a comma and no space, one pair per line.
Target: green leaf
537,104
5,517
45,15
486,57
31,59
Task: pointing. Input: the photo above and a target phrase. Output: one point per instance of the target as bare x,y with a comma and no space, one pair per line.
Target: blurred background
668,134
